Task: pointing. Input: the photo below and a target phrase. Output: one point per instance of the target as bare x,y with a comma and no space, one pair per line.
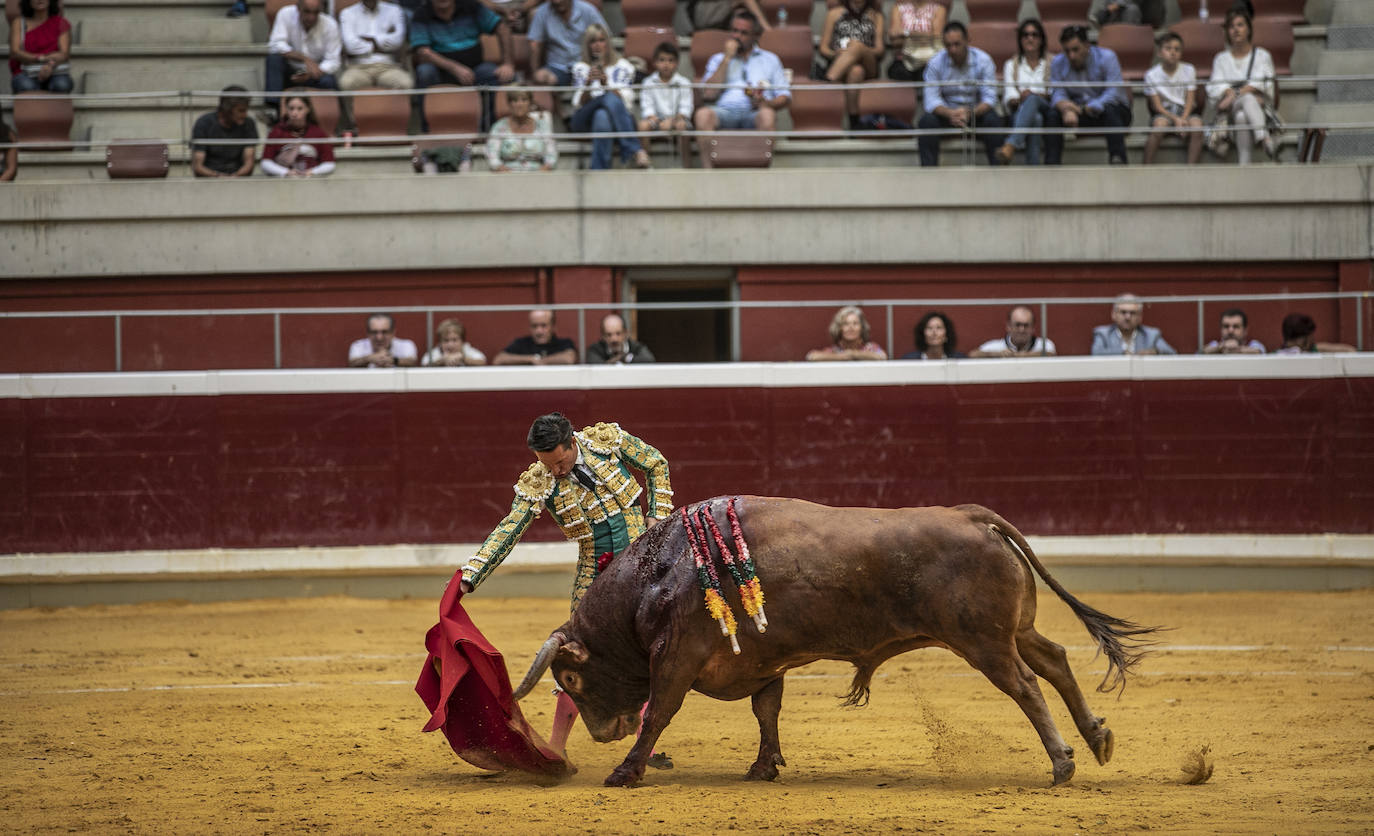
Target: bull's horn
541,664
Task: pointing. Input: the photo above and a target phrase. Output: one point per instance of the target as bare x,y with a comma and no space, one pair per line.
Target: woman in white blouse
1027,92
603,99
1242,77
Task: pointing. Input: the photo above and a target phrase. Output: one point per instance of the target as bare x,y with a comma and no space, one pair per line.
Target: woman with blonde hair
603,99
849,338
451,347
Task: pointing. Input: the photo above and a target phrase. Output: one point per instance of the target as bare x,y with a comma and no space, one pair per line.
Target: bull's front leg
767,703
664,701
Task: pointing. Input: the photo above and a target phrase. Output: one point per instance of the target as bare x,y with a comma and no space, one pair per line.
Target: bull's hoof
765,769
624,776
1062,772
1103,746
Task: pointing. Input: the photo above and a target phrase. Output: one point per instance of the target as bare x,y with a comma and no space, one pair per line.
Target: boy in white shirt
665,104
1171,87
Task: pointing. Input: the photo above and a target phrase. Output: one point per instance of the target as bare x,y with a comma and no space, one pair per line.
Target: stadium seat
1276,35
742,151
640,41
792,45
1073,10
450,109
147,159
519,47
1053,28
11,10
382,115
996,39
993,11
899,102
271,7
326,112
798,11
816,106
1133,44
40,117
648,12
705,43
1202,40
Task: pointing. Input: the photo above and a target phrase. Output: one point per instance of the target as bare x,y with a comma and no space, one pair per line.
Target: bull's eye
572,682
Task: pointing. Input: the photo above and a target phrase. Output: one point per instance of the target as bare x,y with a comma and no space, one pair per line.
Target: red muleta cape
465,686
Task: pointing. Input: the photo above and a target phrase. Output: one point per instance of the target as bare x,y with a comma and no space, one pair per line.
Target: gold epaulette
602,438
535,484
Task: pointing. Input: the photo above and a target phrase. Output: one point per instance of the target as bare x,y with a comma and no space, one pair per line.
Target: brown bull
855,584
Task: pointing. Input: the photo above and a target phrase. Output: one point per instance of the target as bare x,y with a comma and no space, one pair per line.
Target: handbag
1217,137
916,54
1273,125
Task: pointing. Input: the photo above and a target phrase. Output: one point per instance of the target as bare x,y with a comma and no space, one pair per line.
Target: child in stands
666,101
1171,87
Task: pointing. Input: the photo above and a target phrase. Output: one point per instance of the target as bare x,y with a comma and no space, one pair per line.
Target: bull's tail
1122,642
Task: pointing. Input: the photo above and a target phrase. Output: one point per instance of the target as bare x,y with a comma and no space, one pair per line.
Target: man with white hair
1126,334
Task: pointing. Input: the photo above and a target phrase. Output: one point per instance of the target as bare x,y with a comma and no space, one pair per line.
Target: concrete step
1351,36
1346,62
169,31
96,10
213,76
1351,12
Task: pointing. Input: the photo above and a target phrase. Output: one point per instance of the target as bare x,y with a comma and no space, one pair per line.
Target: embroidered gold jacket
610,452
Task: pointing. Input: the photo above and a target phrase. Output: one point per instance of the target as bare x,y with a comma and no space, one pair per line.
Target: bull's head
607,700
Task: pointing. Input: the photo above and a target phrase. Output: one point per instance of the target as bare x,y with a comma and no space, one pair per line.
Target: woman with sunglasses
1027,92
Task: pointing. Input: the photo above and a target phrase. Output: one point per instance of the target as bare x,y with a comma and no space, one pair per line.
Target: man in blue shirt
1102,102
556,39
755,85
962,92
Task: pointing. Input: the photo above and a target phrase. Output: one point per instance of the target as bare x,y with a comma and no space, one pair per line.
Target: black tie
584,476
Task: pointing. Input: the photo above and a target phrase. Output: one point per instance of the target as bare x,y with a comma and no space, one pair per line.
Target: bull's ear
574,650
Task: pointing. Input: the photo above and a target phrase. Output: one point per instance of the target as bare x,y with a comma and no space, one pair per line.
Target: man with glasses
380,348
755,87
1126,334
1097,99
1020,340
960,93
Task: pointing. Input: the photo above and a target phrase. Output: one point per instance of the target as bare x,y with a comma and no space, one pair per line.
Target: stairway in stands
1349,51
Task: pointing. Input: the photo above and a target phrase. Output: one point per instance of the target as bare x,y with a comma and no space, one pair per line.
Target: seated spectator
603,100
1234,339
373,33
541,348
1171,87
304,49
1242,79
1020,339
1102,12
1299,337
1127,335
849,338
913,28
297,156
381,348
40,44
615,346
1105,103
520,141
1027,92
9,168
556,30
229,121
756,87
961,92
935,339
851,47
446,41
717,14
665,101
451,347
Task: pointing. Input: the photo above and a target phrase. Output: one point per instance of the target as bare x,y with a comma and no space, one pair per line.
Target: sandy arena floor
298,715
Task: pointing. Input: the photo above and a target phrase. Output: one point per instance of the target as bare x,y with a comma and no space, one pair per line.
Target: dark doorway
685,336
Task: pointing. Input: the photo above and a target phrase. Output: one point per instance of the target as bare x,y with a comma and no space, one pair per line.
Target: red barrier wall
1076,457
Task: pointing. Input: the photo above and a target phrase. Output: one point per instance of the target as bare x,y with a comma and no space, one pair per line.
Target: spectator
1242,80
935,339
229,121
851,47
9,157
1235,328
615,346
1103,104
1102,12
849,338
380,348
1027,94
520,141
961,92
756,88
604,98
40,44
665,101
1020,339
555,35
1299,331
541,348
914,28
373,33
1171,87
451,347
306,42
446,40
1128,335
718,14
296,156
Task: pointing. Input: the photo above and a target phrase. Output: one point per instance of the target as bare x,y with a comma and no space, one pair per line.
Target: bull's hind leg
767,703
1049,660
1000,664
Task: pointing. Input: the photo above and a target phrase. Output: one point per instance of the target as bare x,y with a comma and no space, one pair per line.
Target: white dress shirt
386,25
321,44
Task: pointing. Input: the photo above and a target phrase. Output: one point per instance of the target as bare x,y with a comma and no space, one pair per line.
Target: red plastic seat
705,43
326,112
42,117
993,11
648,12
1276,35
519,47
271,7
1202,40
11,10
816,106
899,102
1075,10
741,151
452,110
642,40
1054,27
130,159
996,39
381,115
1134,45
792,45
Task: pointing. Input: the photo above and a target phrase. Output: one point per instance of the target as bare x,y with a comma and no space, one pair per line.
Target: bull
855,584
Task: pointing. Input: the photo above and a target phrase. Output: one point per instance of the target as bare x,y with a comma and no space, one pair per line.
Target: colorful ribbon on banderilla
738,562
